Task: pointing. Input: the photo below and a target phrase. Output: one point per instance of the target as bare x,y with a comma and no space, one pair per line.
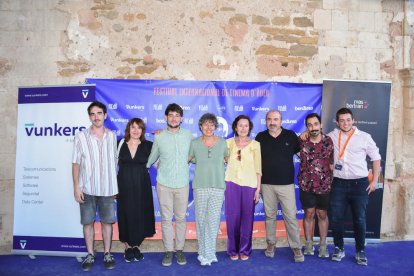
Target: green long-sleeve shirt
172,150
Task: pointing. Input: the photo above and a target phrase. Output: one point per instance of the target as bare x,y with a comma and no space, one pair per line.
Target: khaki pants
173,202
285,194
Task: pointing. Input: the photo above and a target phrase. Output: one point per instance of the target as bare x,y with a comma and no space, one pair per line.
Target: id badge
338,167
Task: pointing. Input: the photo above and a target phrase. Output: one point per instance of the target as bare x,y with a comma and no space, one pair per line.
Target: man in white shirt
352,184
94,181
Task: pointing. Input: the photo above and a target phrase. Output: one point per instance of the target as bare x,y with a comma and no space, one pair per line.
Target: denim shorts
106,209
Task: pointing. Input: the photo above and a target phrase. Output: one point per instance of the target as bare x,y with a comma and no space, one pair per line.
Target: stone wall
48,42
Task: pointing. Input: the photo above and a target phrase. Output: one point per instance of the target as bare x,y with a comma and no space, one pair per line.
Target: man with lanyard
172,147
351,185
95,182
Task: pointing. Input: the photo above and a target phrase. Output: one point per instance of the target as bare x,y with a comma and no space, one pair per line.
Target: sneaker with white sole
361,258
109,261
88,262
338,254
129,255
167,260
180,257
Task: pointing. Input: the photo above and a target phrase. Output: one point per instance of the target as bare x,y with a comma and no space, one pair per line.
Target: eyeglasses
238,155
209,153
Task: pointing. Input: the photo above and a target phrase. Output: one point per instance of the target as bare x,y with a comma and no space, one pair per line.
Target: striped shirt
97,162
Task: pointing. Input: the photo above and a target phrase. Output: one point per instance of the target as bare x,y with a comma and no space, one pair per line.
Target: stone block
303,50
325,53
309,40
340,20
361,21
281,31
302,22
373,70
354,71
272,51
281,20
322,19
352,5
370,6
373,40
8,21
355,55
260,20
382,22
272,66
56,20
340,39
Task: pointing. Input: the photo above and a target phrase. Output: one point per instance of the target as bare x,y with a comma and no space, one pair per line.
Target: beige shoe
270,250
323,251
309,249
299,258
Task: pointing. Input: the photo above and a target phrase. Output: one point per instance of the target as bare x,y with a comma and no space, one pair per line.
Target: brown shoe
270,250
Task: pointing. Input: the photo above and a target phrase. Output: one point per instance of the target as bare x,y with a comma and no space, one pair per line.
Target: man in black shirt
278,145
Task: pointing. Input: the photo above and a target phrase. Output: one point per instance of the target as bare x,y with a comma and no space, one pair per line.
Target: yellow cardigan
244,172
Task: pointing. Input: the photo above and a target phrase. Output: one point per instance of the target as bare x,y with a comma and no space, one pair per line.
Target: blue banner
147,99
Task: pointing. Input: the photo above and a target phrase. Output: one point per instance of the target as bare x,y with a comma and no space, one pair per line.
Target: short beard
171,126
314,133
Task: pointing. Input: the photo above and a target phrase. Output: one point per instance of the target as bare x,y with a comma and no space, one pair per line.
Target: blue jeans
352,192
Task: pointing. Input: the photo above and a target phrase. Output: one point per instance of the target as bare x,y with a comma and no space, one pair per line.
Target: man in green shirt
171,147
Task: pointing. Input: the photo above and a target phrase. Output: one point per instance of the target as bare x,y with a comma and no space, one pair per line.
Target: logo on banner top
265,109
282,108
135,107
300,108
55,130
159,121
288,121
185,107
113,106
203,107
189,121
23,243
119,120
223,127
358,104
238,108
157,107
85,93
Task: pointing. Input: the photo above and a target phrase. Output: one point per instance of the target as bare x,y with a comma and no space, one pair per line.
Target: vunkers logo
55,130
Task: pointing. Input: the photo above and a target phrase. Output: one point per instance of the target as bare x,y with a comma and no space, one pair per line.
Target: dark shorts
312,200
105,206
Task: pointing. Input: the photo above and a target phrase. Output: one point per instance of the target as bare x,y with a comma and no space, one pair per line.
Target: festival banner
147,99
46,215
370,103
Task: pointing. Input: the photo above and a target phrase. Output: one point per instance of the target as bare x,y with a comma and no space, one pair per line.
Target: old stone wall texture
50,42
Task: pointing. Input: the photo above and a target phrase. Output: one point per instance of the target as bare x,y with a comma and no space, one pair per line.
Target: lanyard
341,153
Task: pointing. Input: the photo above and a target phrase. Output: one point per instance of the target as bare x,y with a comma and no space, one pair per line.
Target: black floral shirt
316,162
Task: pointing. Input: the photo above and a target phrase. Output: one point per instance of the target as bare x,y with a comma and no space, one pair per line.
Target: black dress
135,212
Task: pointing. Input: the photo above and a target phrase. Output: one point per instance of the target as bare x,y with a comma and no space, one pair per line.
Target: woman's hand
257,196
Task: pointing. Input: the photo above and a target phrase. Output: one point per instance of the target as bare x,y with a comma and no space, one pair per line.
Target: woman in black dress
135,206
